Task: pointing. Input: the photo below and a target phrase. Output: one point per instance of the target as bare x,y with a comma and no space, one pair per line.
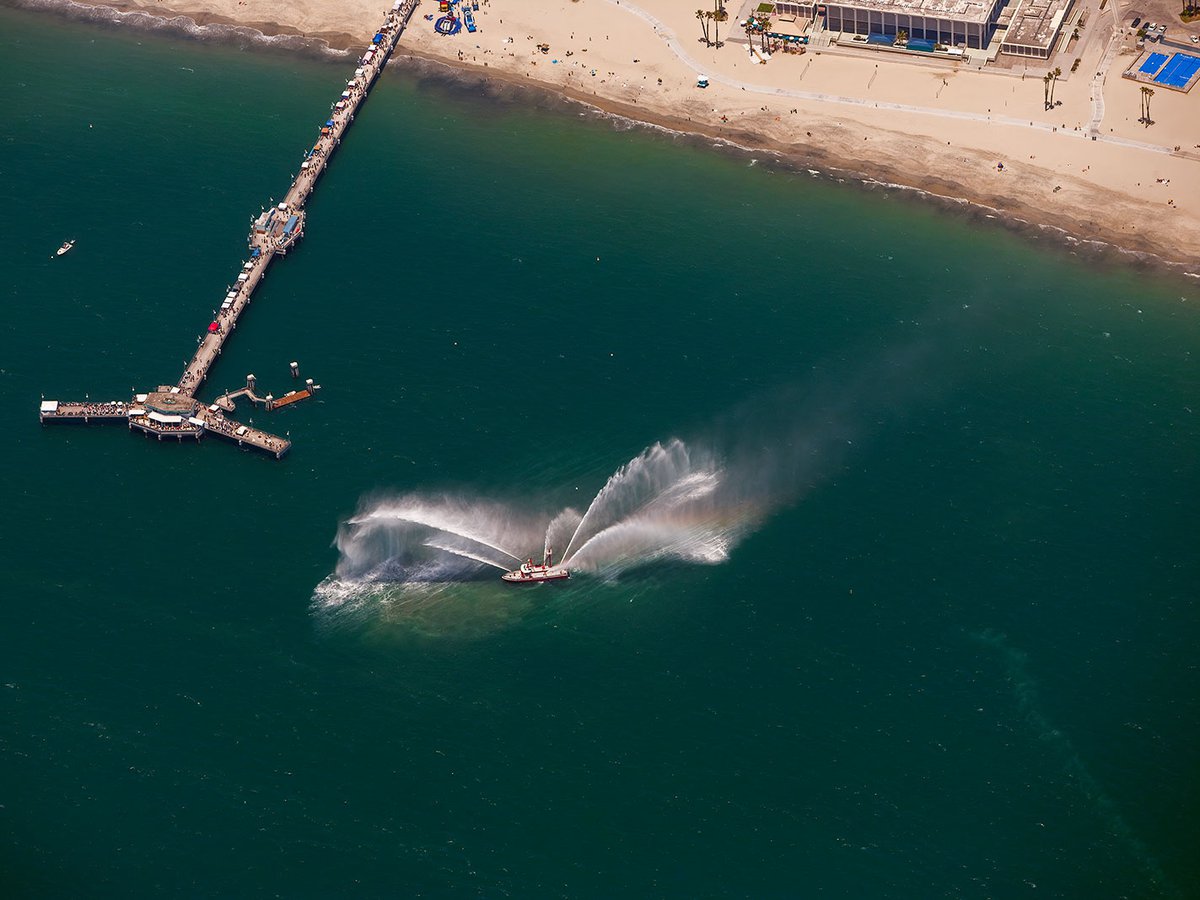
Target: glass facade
953,32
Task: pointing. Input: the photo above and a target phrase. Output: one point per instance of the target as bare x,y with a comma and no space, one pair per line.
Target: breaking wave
182,26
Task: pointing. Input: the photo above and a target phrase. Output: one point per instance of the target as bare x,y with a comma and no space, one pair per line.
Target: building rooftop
1035,23
170,404
977,10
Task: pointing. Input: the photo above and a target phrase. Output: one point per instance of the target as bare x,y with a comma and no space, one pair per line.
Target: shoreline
816,163
1078,228
198,26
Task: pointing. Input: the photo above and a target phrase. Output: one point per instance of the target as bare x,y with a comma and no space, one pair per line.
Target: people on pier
90,408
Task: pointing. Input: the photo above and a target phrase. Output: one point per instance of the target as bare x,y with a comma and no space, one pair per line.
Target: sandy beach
948,128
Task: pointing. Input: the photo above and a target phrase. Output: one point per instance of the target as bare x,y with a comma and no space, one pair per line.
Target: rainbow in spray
670,502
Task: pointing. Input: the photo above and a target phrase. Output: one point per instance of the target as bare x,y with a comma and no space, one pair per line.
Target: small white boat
529,573
67,245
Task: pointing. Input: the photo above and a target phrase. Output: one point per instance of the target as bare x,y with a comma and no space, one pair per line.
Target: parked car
1196,38
1137,20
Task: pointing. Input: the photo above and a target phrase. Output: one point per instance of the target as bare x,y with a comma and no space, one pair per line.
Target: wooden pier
227,402
172,411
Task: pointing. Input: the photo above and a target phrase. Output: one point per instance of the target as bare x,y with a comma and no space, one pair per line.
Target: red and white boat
529,573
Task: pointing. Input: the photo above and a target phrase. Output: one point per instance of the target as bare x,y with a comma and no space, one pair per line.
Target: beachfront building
951,23
1035,27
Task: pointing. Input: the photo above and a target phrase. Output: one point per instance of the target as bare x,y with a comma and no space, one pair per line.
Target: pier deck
83,411
173,411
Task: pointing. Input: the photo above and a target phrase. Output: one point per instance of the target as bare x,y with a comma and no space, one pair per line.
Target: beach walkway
173,411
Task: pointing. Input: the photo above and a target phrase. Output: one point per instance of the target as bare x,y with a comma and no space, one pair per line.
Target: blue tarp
921,44
255,253
329,124
885,39
291,225
378,39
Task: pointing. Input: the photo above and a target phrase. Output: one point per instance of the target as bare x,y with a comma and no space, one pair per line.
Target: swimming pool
1153,63
1179,71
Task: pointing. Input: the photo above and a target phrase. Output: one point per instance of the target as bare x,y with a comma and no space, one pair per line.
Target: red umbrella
213,326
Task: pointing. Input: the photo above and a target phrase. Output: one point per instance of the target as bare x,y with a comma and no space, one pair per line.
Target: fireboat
529,573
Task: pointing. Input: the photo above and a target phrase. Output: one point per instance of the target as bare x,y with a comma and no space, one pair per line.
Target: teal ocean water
943,482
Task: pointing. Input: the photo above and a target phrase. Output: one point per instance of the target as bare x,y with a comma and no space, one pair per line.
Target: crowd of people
149,424
221,425
111,409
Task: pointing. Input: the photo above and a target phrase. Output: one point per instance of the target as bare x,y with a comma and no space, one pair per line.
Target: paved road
677,48
1097,87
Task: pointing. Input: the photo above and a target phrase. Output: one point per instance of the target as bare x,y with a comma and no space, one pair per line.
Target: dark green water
955,660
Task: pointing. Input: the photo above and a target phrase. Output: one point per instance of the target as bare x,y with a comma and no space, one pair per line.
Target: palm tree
1147,93
764,23
1054,76
1046,91
719,16
703,17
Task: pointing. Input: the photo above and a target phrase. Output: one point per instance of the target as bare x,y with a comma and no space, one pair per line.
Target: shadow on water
474,609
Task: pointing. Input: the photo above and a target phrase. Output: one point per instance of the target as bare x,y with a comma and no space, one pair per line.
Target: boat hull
535,575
